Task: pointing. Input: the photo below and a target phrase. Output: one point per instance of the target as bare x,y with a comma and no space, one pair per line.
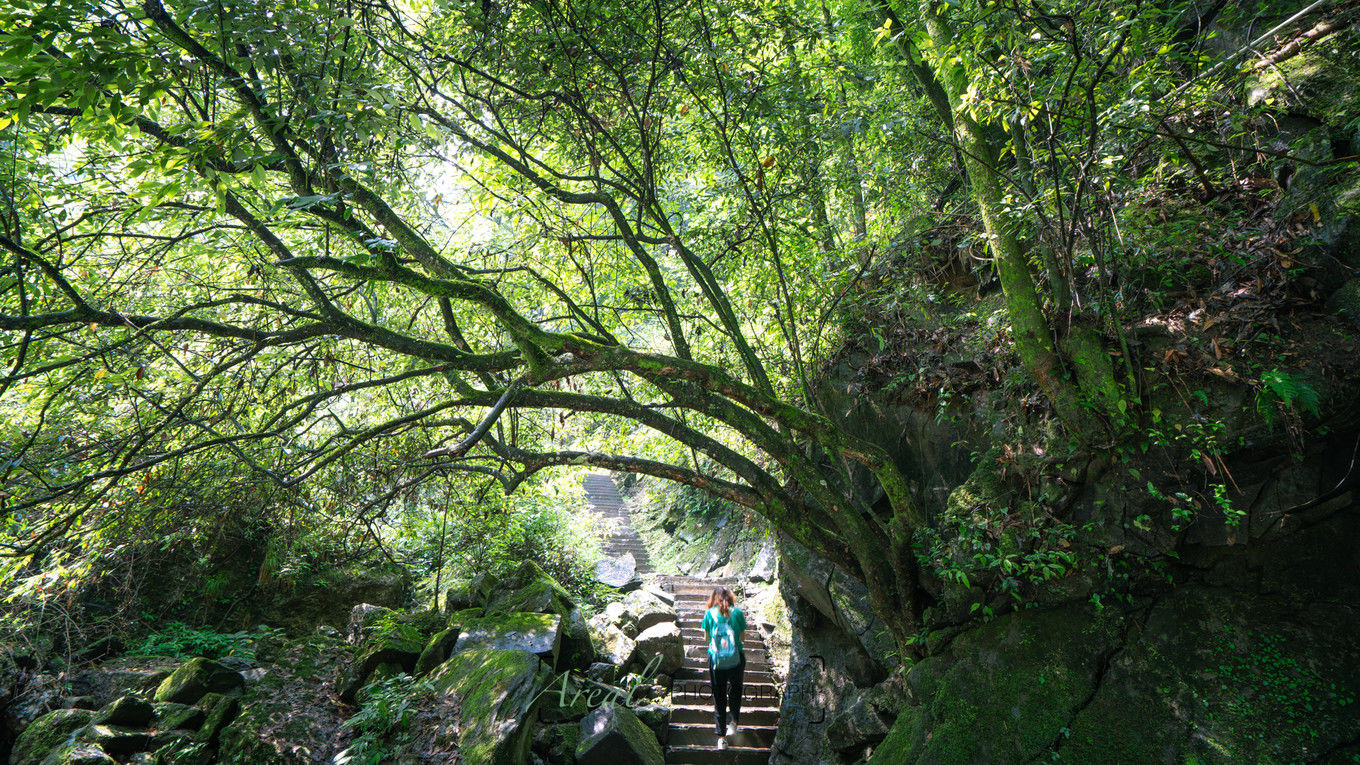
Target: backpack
723,647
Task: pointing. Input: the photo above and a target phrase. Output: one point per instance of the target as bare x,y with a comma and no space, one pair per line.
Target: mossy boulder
171,716
644,610
498,693
614,647
116,739
659,649
613,734
578,648
198,677
128,711
538,634
395,639
564,700
1004,692
53,732
557,743
218,712
80,753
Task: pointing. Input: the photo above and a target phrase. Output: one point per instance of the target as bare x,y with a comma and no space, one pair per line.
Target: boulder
578,648
538,634
437,650
617,614
564,701
615,647
116,739
126,710
602,672
37,696
657,718
497,693
169,716
660,648
218,712
198,677
396,640
619,573
363,620
613,734
531,589
646,610
49,733
762,568
557,743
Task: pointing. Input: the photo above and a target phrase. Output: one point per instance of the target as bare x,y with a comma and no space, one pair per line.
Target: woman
723,625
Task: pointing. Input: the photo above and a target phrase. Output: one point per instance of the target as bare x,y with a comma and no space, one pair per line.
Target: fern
1281,389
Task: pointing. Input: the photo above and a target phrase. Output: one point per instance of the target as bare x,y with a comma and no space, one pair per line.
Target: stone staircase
605,500
692,738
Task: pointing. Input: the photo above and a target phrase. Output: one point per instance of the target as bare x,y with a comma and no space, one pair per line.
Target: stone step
696,636
753,656
703,714
703,734
753,695
710,755
700,673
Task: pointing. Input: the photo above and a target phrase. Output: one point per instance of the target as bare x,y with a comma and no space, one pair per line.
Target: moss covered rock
613,734
171,716
126,710
116,739
557,743
218,711
198,677
538,634
53,732
395,639
1004,692
497,693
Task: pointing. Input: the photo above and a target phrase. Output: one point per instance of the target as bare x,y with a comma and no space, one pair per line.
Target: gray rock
613,734
362,622
661,648
117,740
657,718
618,572
762,569
198,677
646,610
126,710
47,734
538,634
578,647
616,647
497,693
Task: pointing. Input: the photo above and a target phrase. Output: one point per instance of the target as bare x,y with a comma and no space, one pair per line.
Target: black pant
727,693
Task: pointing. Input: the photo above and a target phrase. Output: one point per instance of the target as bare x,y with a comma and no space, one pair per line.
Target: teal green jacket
737,619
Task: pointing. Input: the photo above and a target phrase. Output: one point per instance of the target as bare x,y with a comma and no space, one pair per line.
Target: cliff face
1246,649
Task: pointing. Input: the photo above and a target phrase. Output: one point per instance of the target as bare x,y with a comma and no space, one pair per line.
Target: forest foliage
312,274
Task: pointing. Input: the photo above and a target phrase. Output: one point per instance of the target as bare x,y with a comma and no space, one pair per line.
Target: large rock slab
660,648
612,734
537,634
497,694
197,678
762,568
645,610
615,647
53,732
619,573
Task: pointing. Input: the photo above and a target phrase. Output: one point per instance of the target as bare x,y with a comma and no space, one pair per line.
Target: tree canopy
387,241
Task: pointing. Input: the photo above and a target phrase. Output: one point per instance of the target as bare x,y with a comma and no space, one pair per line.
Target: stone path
692,738
605,500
